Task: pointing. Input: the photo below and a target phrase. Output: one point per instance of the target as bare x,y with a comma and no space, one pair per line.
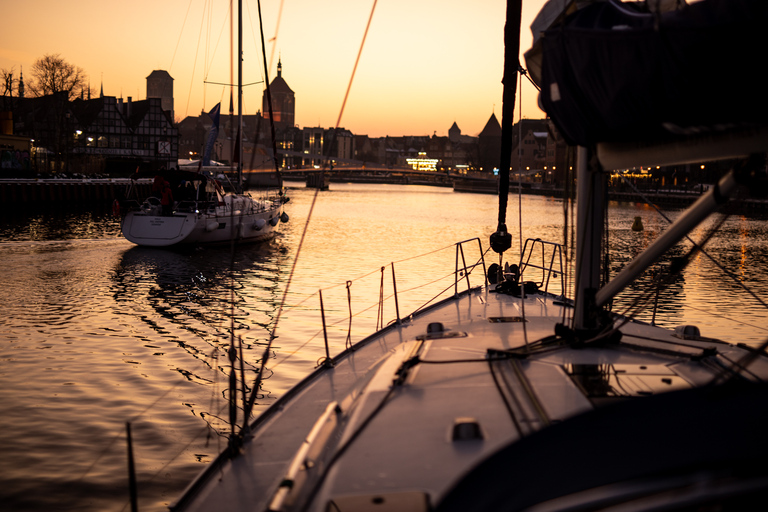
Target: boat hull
192,228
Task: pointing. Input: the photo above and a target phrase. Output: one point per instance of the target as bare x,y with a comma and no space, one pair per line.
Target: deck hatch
506,319
606,382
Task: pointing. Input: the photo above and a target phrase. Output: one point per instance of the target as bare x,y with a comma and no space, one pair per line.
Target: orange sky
426,63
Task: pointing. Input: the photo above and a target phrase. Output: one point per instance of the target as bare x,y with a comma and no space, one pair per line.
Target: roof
280,85
492,128
160,73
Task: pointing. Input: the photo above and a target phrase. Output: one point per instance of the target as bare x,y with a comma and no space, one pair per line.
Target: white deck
407,446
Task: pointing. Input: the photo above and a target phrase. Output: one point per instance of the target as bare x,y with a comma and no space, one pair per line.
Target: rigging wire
252,398
178,41
194,63
642,300
705,253
277,29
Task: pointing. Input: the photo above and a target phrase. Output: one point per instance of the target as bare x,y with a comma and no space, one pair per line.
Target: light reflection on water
97,332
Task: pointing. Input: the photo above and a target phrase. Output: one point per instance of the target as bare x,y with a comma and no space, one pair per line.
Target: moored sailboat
196,207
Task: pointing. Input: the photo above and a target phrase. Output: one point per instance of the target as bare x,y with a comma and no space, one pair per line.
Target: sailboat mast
501,240
240,93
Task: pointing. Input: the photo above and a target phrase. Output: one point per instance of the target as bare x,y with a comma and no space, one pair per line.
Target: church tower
21,83
283,100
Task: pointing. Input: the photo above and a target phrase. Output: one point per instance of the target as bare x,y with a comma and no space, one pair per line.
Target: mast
590,208
240,94
501,240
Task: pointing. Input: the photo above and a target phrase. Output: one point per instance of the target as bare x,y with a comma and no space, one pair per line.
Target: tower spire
21,82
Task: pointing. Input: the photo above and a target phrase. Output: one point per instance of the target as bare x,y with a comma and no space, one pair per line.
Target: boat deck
456,404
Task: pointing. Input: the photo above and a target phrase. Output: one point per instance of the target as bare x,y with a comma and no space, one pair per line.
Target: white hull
250,221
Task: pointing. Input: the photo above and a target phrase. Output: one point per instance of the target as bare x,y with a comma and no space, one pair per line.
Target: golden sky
425,64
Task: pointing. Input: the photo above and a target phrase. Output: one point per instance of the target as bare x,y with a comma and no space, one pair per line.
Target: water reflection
195,299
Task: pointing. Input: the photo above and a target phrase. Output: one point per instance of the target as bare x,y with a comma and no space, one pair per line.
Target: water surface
97,332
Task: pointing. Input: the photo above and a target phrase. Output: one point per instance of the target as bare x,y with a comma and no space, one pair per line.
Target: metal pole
394,286
325,330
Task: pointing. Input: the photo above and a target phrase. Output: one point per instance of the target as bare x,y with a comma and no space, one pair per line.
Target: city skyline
443,66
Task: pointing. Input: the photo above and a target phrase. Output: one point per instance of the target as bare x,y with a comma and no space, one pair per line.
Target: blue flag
212,135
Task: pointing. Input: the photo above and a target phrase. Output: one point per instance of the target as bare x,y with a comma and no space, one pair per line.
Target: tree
52,74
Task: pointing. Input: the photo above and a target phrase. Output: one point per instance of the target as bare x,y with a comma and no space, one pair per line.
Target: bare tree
52,74
6,75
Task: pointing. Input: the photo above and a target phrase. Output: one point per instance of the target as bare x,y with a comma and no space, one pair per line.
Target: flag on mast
212,135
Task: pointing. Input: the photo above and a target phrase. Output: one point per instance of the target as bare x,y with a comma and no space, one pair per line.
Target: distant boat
204,209
505,396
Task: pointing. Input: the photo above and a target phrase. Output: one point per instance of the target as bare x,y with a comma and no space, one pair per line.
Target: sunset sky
425,64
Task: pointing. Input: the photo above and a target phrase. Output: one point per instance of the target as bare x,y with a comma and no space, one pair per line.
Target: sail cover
613,71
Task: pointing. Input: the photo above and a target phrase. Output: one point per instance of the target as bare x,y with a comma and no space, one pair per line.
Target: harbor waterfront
37,192
97,332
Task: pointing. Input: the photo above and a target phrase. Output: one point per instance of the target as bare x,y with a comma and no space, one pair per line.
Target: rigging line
252,398
269,95
524,72
520,166
356,314
724,317
277,29
352,438
257,383
710,257
363,276
642,300
194,63
507,405
737,367
178,41
354,69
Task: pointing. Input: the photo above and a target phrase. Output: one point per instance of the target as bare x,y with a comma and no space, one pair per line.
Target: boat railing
551,265
410,284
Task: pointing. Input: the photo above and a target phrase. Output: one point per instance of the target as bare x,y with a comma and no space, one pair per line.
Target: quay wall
38,192
105,191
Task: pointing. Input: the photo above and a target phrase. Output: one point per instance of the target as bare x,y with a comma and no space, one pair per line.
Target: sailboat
204,206
506,396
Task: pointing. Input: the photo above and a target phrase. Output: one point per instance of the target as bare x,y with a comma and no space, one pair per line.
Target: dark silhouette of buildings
109,134
104,134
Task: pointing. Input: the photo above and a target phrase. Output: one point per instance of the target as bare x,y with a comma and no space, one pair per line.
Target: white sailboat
196,207
202,212
508,397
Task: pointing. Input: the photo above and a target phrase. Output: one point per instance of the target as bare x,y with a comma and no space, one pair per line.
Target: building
98,135
489,146
160,85
283,101
312,146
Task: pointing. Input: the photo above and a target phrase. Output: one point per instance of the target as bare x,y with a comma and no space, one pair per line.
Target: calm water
96,332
